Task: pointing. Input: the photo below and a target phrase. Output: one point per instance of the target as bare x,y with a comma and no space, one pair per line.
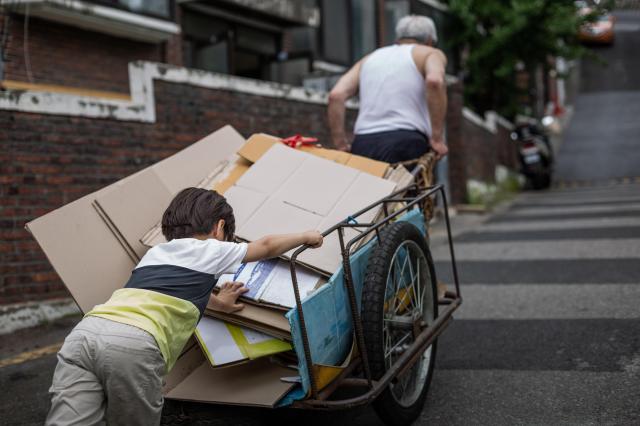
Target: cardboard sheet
276,216
116,233
86,254
272,170
134,206
244,202
189,166
307,192
227,178
223,175
261,318
260,143
317,185
226,344
255,383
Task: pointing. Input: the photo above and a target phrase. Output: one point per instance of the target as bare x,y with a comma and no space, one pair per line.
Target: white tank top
392,93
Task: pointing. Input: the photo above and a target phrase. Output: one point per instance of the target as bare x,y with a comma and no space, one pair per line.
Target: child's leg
132,368
77,397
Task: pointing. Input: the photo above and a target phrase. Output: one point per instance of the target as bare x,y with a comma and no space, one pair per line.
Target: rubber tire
373,293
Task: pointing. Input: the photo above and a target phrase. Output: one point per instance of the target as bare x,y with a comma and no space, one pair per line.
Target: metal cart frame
421,198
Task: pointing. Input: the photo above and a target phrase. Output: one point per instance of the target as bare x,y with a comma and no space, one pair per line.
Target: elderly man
403,98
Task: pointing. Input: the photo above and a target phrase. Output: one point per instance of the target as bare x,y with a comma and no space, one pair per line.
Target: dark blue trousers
392,146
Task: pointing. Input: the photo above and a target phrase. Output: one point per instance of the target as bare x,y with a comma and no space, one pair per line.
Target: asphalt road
549,330
604,133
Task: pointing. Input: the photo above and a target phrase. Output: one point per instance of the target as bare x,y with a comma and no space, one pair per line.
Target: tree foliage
503,36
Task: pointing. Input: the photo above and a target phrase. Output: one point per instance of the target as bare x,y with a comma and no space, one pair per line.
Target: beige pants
107,372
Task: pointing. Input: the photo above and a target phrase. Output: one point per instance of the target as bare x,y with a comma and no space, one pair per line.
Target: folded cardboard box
258,144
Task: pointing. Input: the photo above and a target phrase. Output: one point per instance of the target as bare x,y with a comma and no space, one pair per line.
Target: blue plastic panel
328,315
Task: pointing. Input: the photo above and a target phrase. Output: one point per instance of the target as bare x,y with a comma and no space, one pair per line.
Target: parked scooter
535,153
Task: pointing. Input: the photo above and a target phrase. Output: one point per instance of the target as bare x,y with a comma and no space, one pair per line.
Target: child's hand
313,238
225,300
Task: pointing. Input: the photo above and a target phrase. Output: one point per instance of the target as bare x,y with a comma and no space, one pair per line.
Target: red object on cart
296,141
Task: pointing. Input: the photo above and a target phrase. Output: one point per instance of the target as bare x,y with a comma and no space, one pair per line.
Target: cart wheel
398,299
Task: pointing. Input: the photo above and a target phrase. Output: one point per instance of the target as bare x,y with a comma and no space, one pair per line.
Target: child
112,364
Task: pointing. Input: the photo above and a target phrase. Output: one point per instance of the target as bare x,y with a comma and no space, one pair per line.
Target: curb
24,315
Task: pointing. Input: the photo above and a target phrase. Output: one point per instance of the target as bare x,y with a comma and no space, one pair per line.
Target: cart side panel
327,312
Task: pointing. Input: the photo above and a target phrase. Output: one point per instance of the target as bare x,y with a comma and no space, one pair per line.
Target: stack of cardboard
276,189
95,242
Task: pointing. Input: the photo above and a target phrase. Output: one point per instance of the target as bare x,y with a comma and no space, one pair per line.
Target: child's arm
264,248
276,245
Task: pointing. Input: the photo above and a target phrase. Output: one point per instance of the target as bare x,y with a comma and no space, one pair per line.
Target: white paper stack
269,281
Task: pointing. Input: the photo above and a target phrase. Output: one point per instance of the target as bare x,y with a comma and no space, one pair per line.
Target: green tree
503,36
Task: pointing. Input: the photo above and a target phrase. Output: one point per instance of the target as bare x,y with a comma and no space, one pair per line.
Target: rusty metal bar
355,313
337,382
393,215
406,360
352,382
303,330
454,268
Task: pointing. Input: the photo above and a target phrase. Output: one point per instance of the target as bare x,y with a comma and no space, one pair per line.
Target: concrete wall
68,56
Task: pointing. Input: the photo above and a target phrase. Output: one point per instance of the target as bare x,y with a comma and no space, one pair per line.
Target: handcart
387,284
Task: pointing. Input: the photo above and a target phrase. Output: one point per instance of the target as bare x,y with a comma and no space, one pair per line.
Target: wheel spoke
421,295
407,286
403,300
414,289
396,288
400,341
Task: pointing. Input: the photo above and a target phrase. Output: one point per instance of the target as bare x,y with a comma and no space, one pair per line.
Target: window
349,30
216,45
364,37
335,21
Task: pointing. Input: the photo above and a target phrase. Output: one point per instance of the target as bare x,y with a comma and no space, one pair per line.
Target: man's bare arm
435,65
345,88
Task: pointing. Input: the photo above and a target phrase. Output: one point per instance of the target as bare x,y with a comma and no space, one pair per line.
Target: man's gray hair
417,27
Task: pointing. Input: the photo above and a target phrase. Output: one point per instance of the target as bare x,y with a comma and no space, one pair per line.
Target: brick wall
457,153
480,147
69,56
474,150
47,161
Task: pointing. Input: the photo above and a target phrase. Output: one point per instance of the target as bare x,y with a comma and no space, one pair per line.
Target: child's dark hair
195,211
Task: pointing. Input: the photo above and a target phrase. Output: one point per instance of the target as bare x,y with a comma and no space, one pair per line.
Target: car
600,31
